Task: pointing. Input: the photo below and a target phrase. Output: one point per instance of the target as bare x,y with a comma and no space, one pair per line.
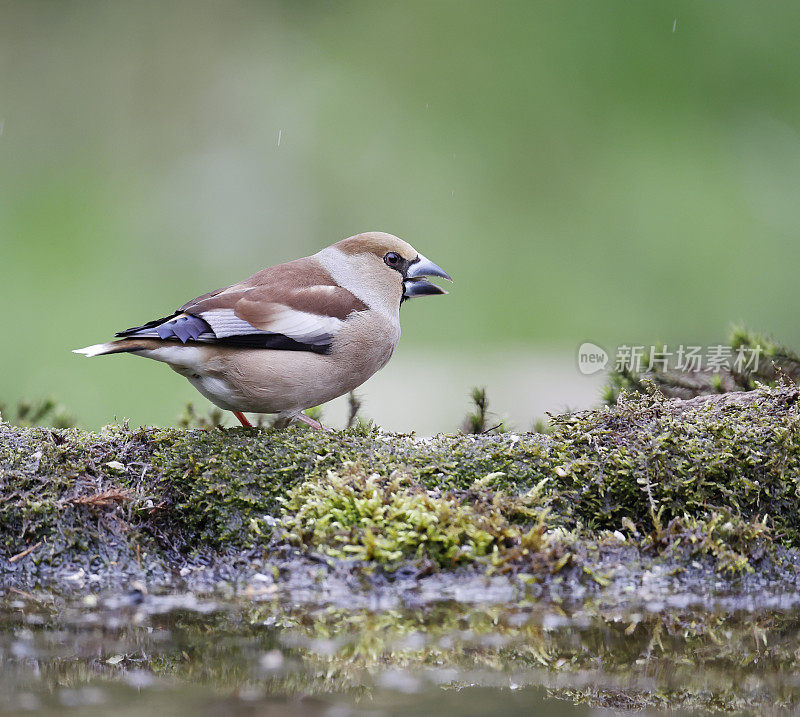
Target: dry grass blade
115,496
25,552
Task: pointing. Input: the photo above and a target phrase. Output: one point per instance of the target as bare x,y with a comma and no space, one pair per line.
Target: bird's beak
415,285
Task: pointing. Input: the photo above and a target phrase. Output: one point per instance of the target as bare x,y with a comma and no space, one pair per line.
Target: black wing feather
190,328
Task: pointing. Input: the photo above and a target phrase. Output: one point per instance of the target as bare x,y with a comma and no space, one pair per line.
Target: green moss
650,461
50,481
222,487
350,514
655,469
729,539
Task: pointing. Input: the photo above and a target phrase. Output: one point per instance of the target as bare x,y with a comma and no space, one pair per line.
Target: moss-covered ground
713,477
643,555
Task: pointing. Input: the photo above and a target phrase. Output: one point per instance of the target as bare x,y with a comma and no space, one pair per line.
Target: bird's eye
392,259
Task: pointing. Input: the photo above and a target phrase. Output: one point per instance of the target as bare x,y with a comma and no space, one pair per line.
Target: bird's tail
118,347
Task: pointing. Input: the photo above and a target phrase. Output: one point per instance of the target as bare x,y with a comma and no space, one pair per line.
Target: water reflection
173,653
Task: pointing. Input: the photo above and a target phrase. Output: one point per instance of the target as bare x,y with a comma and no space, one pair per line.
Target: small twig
25,552
353,406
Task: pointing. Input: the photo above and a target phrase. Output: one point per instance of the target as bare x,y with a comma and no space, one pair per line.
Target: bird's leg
311,422
242,419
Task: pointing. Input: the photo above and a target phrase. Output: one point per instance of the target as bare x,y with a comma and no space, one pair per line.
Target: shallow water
174,654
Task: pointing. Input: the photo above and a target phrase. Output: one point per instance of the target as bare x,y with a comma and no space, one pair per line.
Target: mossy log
717,475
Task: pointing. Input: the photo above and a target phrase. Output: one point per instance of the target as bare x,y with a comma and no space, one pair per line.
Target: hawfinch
292,336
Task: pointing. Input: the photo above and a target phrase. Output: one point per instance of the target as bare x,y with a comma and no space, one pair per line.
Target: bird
291,336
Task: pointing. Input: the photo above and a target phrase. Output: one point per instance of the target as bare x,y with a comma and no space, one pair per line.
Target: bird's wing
294,306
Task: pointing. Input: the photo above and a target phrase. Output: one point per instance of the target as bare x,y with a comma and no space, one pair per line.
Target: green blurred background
616,172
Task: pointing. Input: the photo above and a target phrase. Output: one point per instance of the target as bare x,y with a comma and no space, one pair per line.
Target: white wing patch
304,327
224,323
301,326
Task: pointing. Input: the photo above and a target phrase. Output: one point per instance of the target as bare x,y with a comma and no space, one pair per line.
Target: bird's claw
311,422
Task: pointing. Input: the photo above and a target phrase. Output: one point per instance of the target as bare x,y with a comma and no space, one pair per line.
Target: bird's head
390,266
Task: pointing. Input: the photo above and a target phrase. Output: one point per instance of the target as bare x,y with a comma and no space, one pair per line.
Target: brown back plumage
301,285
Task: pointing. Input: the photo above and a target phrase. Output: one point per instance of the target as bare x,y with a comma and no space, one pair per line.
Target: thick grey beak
415,285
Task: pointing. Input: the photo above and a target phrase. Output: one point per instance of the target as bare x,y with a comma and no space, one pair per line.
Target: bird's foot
242,419
311,422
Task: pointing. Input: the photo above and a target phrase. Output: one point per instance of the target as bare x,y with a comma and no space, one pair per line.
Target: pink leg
311,422
242,419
